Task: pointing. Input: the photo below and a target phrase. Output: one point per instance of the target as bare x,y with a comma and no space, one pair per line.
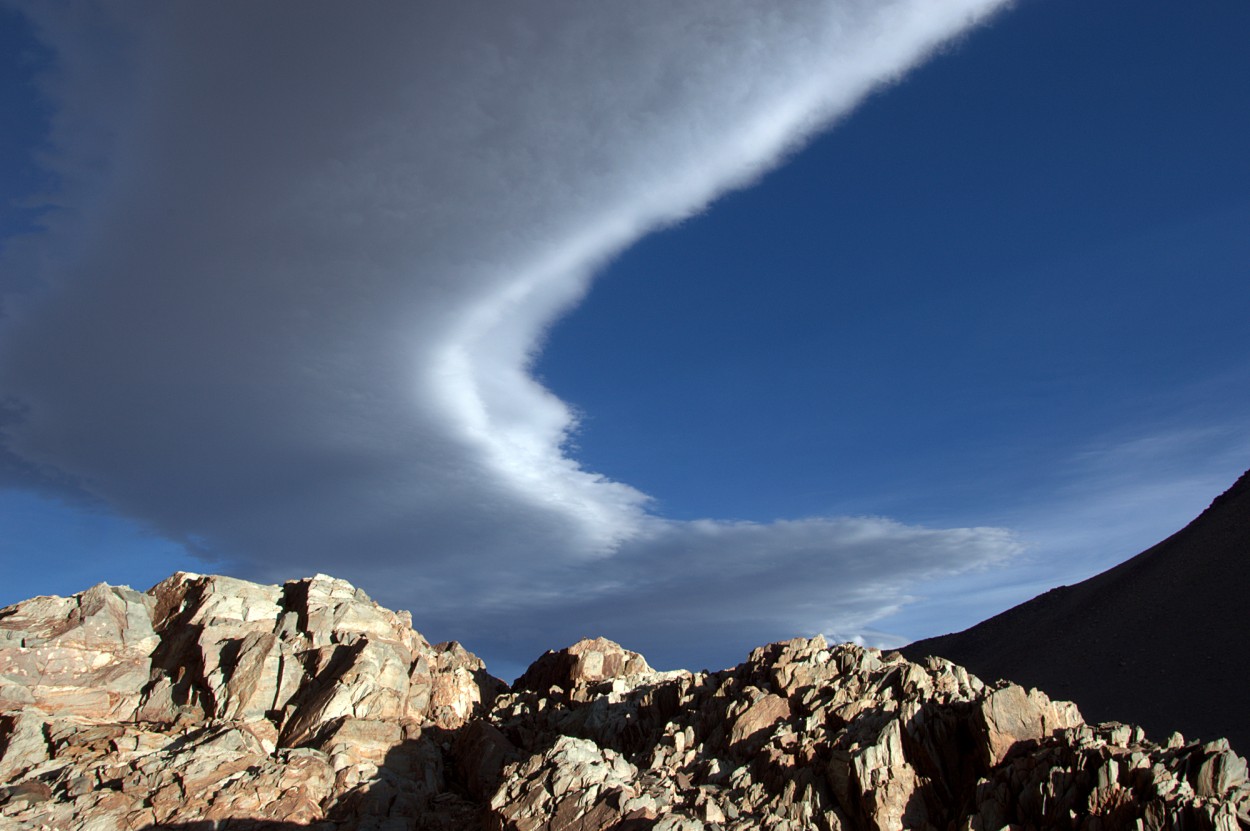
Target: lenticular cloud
304,254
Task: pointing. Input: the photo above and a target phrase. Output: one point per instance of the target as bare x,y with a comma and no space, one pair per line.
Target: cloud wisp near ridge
303,257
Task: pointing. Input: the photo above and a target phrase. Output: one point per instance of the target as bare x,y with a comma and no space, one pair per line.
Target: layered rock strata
212,703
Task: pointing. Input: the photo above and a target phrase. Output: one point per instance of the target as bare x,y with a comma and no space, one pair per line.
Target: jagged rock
215,703
574,784
761,715
23,744
1009,716
458,685
571,673
256,702
88,654
482,751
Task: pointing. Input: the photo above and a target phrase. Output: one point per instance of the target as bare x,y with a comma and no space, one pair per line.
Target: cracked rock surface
210,703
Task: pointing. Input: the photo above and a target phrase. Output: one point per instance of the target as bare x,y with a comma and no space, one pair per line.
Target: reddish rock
588,662
760,716
1009,716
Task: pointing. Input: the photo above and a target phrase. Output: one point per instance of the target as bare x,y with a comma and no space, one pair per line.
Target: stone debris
214,703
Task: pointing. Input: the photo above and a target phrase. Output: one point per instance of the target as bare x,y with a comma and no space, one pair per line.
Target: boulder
569,673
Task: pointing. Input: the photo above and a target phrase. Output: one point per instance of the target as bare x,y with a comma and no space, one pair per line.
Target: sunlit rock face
210,702
212,698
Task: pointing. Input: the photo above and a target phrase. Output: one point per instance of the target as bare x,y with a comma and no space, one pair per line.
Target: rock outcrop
213,703
215,699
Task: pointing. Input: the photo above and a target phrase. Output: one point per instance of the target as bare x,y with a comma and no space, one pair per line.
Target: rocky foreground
213,703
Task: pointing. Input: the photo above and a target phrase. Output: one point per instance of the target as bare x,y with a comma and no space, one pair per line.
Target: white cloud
308,252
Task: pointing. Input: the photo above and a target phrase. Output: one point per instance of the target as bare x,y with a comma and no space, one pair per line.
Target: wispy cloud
1127,492
1112,499
304,256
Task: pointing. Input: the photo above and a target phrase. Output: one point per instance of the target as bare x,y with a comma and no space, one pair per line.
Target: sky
693,326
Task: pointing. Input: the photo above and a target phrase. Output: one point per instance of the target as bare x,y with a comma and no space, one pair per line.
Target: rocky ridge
213,703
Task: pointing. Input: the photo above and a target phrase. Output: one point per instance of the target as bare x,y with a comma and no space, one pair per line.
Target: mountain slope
1160,640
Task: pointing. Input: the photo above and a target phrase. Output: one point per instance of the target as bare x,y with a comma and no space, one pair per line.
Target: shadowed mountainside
1160,640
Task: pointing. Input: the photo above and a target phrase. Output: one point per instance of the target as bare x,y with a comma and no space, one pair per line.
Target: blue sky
877,370
1035,243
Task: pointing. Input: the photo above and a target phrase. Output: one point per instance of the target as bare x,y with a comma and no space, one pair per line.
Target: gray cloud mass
302,257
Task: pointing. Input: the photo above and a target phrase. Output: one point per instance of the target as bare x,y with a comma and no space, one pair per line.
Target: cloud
303,256
713,589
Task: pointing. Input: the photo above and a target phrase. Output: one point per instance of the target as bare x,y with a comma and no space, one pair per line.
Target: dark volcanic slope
1162,640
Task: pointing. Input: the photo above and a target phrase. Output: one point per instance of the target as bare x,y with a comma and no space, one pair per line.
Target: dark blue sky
1037,241
25,119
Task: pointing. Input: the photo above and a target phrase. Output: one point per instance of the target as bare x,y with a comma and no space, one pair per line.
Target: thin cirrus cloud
303,256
